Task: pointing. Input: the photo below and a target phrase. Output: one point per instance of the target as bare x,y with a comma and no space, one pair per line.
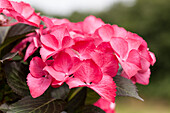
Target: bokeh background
149,19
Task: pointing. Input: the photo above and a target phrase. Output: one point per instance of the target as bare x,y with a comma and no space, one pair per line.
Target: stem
75,92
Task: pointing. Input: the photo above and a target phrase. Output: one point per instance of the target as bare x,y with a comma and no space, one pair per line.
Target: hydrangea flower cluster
82,54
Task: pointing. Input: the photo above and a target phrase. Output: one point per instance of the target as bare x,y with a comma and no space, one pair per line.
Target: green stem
75,92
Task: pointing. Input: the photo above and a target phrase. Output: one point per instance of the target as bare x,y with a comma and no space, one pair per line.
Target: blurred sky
67,7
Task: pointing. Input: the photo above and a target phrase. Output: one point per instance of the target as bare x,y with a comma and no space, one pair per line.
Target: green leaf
3,33
16,74
20,29
12,36
8,56
90,109
77,101
60,92
92,96
37,105
125,87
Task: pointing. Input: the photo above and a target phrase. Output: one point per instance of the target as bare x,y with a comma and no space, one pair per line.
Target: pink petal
23,8
153,58
145,53
60,32
36,67
133,44
89,72
56,84
63,62
76,27
5,4
27,10
120,46
145,65
143,78
48,21
36,42
106,88
67,42
45,53
38,86
76,64
134,58
75,82
59,76
50,42
105,47
129,68
84,48
106,32
71,52
91,23
17,7
119,32
60,21
107,62
136,37
34,20
30,50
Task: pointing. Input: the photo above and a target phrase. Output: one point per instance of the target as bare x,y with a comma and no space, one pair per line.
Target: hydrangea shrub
65,61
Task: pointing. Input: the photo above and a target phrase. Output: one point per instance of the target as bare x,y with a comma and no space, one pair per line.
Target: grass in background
130,105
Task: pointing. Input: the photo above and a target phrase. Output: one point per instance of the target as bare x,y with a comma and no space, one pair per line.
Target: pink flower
143,75
20,11
54,41
126,56
90,75
63,66
108,107
38,79
129,46
84,54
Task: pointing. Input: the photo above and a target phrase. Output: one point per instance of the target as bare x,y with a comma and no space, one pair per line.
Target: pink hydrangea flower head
127,47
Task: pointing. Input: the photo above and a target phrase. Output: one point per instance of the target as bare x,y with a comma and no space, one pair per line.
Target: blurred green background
151,20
